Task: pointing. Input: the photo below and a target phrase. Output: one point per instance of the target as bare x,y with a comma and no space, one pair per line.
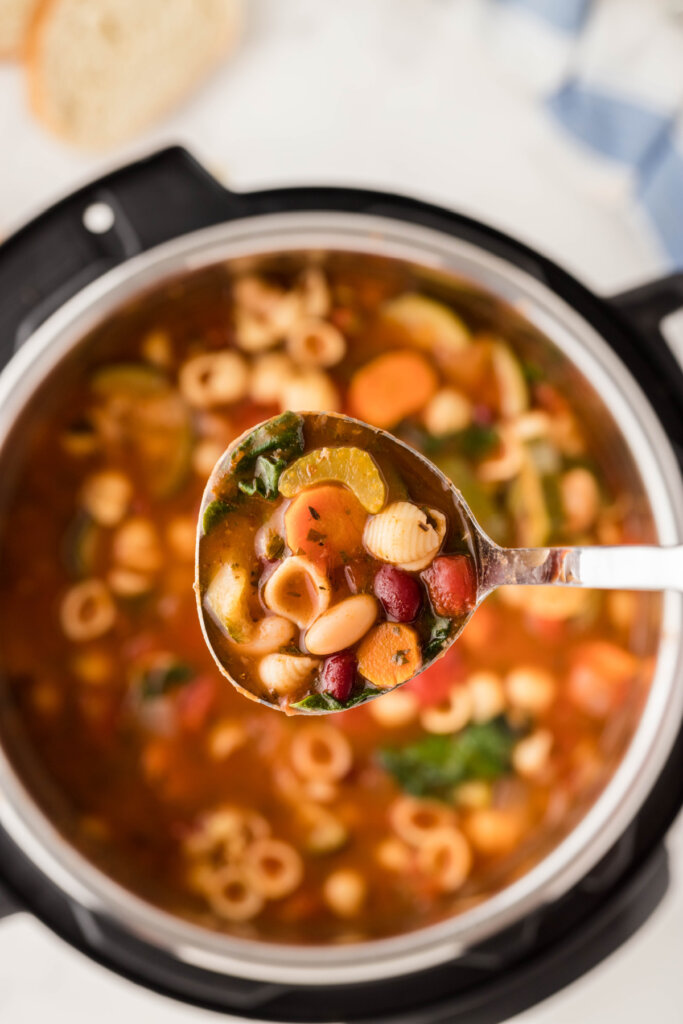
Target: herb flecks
314,512
275,547
316,537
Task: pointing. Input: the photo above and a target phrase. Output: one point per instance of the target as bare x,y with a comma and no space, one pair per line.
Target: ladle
623,567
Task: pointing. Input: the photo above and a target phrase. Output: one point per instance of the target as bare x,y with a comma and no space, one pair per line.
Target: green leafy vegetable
158,680
482,503
283,434
434,765
326,702
533,372
259,460
474,441
215,512
439,635
80,545
267,472
477,440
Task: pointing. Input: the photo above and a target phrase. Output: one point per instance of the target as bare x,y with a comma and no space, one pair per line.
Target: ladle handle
627,567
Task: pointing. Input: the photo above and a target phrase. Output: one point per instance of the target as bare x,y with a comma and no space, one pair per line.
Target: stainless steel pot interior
657,729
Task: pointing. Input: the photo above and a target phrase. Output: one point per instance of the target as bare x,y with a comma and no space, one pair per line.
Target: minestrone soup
383,818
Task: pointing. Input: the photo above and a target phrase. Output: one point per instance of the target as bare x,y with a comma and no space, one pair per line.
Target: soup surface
382,818
333,565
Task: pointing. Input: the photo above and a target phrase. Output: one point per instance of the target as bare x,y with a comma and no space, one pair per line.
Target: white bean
106,496
344,891
269,374
310,391
447,412
342,625
487,695
530,689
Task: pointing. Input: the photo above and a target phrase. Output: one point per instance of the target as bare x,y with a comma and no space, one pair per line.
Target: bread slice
101,70
15,18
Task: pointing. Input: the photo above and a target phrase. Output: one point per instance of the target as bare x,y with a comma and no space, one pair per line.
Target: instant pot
80,260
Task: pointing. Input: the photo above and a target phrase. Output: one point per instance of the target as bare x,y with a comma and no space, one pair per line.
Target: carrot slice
325,524
389,655
392,386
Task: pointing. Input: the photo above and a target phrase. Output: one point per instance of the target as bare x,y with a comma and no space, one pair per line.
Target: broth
384,818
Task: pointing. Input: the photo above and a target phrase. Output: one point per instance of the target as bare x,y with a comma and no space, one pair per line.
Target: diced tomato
452,585
194,702
432,686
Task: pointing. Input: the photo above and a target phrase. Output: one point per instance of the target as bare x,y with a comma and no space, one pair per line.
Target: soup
332,566
380,819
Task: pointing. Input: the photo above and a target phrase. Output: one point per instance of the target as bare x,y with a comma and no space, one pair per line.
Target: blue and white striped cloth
610,73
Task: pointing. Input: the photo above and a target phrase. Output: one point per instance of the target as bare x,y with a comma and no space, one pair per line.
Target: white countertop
401,95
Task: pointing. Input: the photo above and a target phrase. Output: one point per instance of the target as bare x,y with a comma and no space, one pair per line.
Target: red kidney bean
339,674
452,585
399,592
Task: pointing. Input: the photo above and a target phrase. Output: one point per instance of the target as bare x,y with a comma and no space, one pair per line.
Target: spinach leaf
476,440
159,680
267,473
473,441
215,512
439,633
258,461
283,434
326,702
434,765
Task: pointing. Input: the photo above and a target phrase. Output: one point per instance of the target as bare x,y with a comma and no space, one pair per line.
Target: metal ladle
620,567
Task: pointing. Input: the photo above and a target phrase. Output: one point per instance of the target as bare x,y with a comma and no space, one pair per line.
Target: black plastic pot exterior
168,195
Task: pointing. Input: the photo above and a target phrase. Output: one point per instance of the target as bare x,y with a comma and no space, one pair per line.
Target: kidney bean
339,674
452,585
399,592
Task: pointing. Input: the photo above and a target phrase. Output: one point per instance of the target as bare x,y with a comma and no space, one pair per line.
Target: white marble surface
403,95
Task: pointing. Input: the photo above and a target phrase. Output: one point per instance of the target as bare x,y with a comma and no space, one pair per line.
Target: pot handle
646,306
106,222
8,904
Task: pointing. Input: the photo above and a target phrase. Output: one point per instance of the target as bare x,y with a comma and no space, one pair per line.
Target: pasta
405,535
298,591
213,378
284,673
451,715
415,821
314,342
446,857
273,869
320,751
87,610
